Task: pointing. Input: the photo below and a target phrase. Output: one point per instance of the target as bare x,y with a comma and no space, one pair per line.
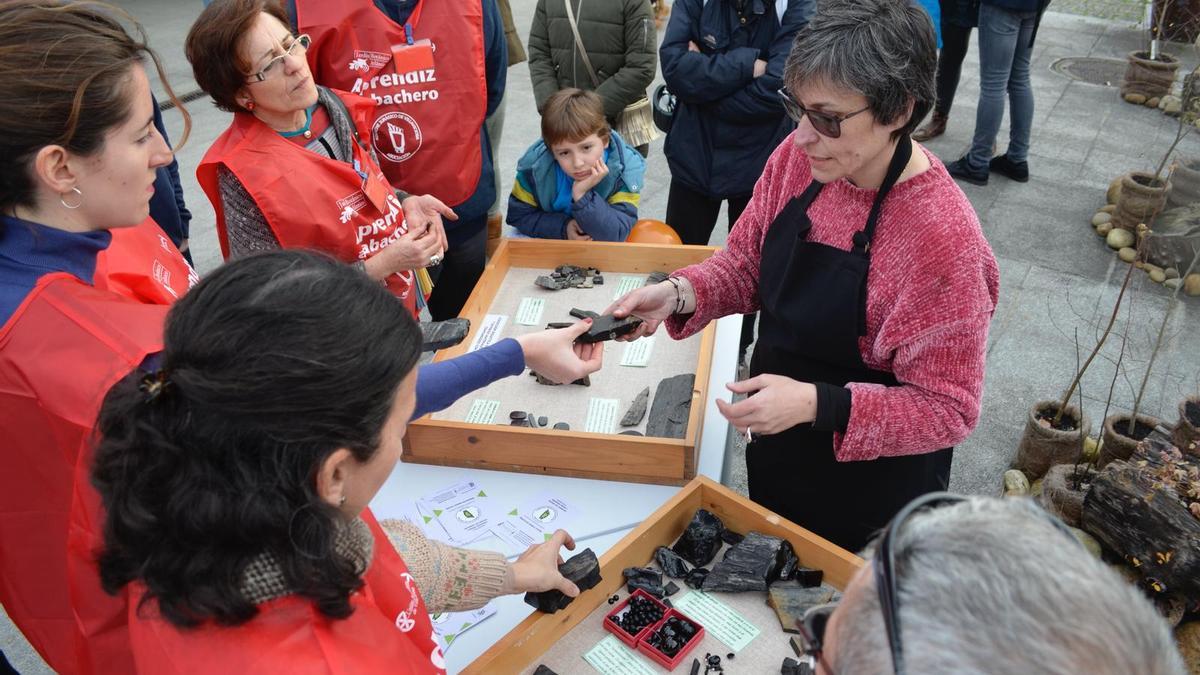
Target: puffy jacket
727,122
619,36
607,212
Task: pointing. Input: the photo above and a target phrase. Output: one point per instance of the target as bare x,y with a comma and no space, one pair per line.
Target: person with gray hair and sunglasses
874,280
986,585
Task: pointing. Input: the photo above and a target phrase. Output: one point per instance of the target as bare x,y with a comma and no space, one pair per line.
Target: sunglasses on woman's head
825,124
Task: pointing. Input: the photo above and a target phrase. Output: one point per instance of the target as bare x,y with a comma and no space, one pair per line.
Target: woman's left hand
420,210
779,403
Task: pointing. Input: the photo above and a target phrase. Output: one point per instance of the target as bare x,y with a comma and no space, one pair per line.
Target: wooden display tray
531,638
637,459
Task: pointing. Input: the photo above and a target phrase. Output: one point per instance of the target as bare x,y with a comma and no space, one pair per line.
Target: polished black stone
671,588
543,421
606,327
562,426
517,415
807,577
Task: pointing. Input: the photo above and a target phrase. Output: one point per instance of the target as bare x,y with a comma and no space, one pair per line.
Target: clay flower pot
1116,443
1147,78
1043,446
1187,431
1141,198
1060,494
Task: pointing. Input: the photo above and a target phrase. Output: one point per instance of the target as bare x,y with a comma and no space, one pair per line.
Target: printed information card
530,311
601,415
489,331
482,411
462,509
719,619
637,353
628,284
610,657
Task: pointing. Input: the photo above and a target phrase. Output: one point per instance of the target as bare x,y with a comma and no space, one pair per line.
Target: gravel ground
1118,10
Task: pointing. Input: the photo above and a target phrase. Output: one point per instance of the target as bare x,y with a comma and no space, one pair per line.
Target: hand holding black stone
583,569
606,327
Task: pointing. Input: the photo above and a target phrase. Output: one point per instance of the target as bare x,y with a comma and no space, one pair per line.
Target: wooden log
1133,512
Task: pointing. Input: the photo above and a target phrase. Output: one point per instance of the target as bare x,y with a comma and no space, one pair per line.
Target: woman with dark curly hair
236,479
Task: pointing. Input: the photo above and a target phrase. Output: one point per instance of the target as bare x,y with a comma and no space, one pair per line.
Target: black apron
814,308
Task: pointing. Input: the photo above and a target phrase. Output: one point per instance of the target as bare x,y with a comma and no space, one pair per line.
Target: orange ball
649,231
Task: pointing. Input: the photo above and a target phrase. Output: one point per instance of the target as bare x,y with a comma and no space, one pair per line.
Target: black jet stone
554,325
732,538
606,327
751,565
671,588
671,563
543,670
517,415
562,426
695,667
808,577
543,421
695,578
645,578
701,539
442,334
672,405
582,568
637,409
598,280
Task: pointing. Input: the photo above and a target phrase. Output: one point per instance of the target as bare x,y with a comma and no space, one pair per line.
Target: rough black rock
671,588
645,578
586,380
543,670
637,409
732,538
671,563
441,334
582,568
552,283
701,539
605,327
808,577
672,405
695,578
752,565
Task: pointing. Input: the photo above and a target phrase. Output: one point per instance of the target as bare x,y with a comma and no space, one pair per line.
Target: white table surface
608,509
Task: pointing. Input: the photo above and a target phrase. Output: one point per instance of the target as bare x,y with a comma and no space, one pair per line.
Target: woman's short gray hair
884,49
991,586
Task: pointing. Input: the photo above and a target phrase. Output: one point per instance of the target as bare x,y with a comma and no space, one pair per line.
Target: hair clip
153,384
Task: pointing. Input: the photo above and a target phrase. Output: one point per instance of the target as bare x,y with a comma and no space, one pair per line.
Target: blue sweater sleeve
604,221
440,384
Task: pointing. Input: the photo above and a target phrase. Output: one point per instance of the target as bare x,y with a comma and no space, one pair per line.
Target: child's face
576,158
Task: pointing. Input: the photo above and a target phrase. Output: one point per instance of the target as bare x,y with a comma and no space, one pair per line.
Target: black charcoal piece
732,538
701,539
562,426
655,277
598,280
791,600
671,588
752,565
606,327
543,421
671,563
543,670
517,415
554,283
695,666
672,405
637,409
695,578
582,568
441,334
808,577
631,432
645,578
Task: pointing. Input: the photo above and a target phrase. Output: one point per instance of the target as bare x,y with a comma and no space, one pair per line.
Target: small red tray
660,658
612,627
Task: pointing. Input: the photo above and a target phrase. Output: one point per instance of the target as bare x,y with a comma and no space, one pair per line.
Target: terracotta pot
1187,431
1149,78
1042,447
1114,443
1059,494
1139,201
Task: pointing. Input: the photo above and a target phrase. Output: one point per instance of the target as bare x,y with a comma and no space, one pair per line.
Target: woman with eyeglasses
295,168
874,280
85,280
235,478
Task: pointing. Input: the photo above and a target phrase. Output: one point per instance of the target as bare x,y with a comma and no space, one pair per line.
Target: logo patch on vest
396,136
367,61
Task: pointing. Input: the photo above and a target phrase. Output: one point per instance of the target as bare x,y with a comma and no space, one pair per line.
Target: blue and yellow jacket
607,212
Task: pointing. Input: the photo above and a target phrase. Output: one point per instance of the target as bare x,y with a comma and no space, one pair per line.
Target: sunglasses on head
813,624
824,123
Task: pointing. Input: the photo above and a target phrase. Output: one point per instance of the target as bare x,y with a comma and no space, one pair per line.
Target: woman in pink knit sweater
874,280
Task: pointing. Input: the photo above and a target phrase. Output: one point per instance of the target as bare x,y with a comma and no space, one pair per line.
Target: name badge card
415,56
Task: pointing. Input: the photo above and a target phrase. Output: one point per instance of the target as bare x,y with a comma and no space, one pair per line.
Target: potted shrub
1142,197
1120,440
1151,72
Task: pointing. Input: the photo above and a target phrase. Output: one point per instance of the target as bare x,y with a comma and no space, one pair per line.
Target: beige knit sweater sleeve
451,579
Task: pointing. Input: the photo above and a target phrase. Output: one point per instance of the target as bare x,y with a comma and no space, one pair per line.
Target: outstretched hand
536,570
422,209
556,356
651,304
779,403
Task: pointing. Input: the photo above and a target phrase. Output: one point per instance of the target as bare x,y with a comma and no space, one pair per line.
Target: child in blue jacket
580,181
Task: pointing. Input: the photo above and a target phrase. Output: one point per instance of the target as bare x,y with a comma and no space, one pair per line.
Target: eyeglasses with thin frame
812,625
300,41
825,124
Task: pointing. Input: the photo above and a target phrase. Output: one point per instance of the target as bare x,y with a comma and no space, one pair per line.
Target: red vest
388,632
427,125
59,354
310,201
142,264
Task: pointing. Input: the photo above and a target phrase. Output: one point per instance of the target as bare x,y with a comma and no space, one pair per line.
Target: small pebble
729,656
562,426
1171,273
517,415
1119,238
598,280
1157,276
543,421
1127,254
1104,229
1101,218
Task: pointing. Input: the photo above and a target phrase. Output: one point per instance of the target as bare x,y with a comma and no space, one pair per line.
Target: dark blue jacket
166,206
961,13
727,122
1019,5
472,214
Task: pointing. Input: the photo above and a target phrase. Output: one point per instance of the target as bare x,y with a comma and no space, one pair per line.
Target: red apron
389,631
142,264
59,353
311,201
431,106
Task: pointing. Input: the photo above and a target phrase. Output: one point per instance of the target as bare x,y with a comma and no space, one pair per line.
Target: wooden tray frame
534,636
635,459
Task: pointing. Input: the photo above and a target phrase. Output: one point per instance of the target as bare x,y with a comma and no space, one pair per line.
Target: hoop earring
62,200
